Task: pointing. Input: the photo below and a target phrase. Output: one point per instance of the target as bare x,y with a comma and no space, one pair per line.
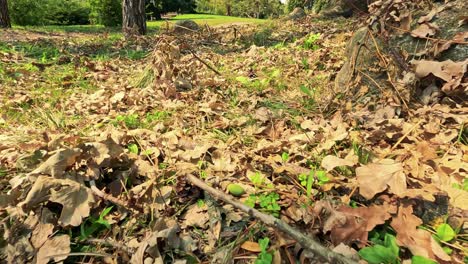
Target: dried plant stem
109,243
204,63
303,240
112,199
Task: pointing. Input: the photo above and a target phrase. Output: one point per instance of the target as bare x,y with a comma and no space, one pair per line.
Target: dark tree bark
134,17
228,9
4,17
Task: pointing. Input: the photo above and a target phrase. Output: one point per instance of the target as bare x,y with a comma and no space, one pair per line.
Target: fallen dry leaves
137,138
419,242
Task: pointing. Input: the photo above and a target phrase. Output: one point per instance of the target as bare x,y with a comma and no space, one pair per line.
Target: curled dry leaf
330,162
449,71
55,248
103,153
73,196
420,242
165,230
222,161
196,216
376,177
57,164
251,246
424,30
359,222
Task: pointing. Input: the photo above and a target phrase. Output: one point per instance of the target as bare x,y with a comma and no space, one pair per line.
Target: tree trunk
4,17
228,9
134,17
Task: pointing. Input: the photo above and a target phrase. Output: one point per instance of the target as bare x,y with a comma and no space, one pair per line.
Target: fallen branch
303,240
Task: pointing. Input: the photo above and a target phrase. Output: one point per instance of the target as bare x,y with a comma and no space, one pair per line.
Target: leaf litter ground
96,145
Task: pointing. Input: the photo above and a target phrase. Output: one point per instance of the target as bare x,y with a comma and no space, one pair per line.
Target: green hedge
65,12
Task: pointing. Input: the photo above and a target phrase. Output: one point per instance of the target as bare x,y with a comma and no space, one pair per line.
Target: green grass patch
206,19
153,26
70,29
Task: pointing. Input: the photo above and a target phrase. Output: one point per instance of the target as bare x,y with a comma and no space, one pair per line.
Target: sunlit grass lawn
153,26
211,20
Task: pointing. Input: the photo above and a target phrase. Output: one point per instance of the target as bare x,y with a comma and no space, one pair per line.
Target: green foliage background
241,8
49,12
109,12
106,12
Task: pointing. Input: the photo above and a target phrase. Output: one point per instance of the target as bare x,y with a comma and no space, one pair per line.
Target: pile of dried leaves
112,188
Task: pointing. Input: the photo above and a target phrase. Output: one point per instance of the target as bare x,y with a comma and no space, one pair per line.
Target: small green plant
133,148
387,251
264,257
311,42
445,232
3,172
463,186
422,260
163,166
130,121
321,177
284,157
157,116
309,102
307,180
267,202
259,181
363,155
201,167
134,54
463,134
305,63
279,46
200,203
93,225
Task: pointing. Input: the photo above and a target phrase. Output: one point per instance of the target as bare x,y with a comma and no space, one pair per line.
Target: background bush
71,12
27,12
106,12
65,12
49,12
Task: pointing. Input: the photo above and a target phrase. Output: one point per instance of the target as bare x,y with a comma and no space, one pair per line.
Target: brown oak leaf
376,177
74,197
420,242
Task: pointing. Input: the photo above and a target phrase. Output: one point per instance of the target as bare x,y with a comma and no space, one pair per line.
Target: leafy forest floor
98,133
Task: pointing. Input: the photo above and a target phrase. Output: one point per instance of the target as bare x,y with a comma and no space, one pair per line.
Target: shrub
27,12
106,12
73,12
49,12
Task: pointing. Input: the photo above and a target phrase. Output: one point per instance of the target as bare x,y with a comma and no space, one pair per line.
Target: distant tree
4,16
134,16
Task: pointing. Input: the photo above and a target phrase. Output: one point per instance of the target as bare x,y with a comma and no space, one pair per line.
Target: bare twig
109,243
204,63
114,200
405,135
102,255
306,242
